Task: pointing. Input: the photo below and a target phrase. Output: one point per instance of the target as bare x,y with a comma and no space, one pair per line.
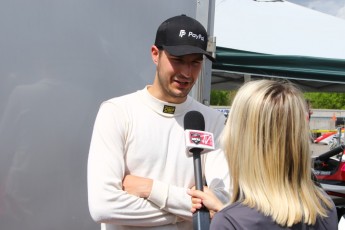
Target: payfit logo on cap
191,34
182,33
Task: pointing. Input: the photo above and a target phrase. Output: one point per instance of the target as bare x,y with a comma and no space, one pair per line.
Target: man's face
175,76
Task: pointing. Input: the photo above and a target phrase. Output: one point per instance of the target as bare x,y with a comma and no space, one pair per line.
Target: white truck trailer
59,60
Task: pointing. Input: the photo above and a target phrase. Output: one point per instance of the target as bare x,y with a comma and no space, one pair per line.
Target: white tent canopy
276,38
278,27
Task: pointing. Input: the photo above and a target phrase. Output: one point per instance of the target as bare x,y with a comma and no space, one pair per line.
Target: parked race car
324,136
329,138
329,170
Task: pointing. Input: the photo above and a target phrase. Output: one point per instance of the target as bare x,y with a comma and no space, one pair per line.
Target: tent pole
205,10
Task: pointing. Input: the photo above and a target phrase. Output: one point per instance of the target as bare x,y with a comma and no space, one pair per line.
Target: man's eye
177,60
197,63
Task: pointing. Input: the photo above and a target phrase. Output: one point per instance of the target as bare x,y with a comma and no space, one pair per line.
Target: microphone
196,141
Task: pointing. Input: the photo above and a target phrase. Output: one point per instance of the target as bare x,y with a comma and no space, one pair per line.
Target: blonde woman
266,141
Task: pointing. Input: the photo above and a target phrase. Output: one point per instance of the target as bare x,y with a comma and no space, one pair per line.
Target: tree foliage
222,97
318,100
219,97
326,100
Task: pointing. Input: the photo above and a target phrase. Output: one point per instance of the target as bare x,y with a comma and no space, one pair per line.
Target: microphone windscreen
194,120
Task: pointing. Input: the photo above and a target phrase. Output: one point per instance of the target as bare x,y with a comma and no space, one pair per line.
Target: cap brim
181,50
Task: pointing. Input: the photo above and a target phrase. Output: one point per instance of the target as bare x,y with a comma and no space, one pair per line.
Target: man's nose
186,70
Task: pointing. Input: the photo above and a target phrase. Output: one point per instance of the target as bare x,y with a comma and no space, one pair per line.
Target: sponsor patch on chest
169,109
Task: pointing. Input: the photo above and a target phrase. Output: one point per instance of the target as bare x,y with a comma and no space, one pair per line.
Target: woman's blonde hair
266,141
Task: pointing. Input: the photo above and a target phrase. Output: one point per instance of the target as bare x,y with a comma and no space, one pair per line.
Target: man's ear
155,54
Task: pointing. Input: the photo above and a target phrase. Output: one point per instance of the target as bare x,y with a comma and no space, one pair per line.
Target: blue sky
332,7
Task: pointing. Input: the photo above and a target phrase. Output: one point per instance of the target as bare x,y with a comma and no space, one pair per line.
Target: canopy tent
278,39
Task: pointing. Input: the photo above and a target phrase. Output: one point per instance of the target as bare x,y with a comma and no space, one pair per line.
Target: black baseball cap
182,35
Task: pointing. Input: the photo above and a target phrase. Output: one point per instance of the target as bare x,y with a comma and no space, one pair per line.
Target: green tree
326,100
318,100
222,97
219,97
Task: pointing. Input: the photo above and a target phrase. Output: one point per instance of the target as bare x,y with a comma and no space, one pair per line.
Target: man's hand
137,186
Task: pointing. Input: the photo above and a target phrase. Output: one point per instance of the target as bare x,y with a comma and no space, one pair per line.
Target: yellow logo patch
169,109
